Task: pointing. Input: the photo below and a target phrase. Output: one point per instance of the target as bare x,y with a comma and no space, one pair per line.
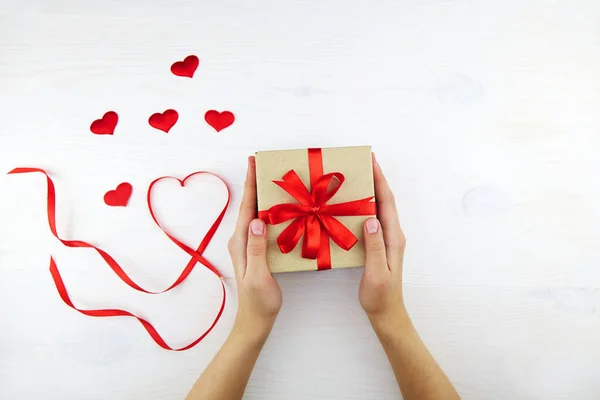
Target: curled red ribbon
195,254
312,217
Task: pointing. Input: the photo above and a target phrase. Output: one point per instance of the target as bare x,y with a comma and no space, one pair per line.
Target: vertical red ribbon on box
312,217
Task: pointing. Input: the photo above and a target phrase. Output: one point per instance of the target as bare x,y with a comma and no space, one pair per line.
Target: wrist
391,322
252,329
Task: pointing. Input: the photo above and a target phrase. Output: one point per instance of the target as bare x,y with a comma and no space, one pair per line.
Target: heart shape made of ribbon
196,257
195,254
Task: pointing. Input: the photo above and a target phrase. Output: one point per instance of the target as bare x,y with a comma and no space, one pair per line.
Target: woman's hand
259,301
380,290
418,375
259,296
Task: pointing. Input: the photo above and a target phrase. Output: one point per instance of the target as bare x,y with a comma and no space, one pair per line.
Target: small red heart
187,67
106,125
120,196
219,120
164,121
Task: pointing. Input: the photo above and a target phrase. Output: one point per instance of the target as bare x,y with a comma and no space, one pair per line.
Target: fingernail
372,225
257,227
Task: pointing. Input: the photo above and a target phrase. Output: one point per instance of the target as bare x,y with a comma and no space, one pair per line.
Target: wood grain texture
485,117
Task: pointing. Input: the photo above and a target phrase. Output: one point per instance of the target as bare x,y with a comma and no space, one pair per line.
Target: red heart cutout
120,196
106,125
187,67
219,120
164,121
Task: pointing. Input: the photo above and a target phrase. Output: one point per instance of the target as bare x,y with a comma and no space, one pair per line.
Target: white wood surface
485,116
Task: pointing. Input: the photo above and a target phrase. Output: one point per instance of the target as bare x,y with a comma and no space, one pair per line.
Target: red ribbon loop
196,257
312,218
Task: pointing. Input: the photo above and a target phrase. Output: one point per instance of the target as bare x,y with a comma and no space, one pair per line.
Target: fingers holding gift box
319,197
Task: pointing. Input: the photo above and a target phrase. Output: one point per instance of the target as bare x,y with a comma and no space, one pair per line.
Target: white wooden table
484,115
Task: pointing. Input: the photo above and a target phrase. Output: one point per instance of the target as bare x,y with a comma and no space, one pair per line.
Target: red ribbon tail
312,238
64,295
338,232
289,238
196,257
264,215
324,257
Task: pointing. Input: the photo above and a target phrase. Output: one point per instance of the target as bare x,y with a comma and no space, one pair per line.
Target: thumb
374,245
257,247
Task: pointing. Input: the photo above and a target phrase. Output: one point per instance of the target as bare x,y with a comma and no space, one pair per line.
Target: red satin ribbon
312,217
196,257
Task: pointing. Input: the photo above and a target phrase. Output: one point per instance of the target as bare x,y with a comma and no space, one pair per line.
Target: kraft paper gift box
315,202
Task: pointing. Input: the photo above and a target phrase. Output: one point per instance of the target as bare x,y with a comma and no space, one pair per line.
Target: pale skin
419,376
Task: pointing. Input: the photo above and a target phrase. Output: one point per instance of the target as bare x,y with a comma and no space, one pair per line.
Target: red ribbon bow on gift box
312,217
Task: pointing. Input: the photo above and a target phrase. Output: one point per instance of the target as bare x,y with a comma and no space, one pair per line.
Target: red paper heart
120,196
106,125
187,67
219,120
164,121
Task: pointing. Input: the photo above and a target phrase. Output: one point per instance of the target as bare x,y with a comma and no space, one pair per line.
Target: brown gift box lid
356,165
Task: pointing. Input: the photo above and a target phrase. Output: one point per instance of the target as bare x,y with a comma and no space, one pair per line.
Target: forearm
227,375
417,373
